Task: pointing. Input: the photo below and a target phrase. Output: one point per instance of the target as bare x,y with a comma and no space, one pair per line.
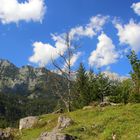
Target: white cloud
73,60
136,8
43,52
129,34
105,52
13,11
91,29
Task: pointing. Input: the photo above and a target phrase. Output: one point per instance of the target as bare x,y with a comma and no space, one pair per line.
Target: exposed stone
63,122
55,136
114,136
26,79
28,122
87,107
6,135
115,104
104,104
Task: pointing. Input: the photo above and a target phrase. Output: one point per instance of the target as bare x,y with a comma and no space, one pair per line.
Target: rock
26,79
115,104
87,107
114,136
64,122
104,104
56,136
28,122
138,136
6,135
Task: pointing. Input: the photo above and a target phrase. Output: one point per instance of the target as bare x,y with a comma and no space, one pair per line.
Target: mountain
26,91
25,80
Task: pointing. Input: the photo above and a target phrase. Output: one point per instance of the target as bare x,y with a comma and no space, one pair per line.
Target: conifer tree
103,86
81,91
135,74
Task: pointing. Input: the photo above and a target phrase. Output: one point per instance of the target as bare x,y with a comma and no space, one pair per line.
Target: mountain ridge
24,79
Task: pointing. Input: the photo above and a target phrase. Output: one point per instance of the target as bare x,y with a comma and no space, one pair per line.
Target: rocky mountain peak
23,80
6,63
7,69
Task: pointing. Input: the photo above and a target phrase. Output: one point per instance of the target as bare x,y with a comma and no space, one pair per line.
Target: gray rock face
63,122
23,80
5,135
28,122
56,136
87,107
104,104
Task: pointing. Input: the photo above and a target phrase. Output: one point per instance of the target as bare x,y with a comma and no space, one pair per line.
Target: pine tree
135,74
81,91
92,86
103,86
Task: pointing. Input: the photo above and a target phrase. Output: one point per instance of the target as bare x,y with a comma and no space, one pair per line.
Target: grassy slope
98,124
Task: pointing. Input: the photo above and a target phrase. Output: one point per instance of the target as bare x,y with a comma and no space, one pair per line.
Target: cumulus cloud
129,34
73,60
136,8
105,52
43,52
91,29
13,11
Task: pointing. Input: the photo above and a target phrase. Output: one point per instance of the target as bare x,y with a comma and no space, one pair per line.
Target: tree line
89,87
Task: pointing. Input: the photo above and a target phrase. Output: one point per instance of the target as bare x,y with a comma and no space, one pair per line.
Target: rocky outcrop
104,104
6,135
87,107
63,122
56,136
26,79
28,122
21,80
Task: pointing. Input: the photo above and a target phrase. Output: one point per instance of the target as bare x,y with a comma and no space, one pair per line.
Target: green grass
94,124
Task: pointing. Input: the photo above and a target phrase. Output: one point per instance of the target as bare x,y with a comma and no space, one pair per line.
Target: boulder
64,122
115,104
87,107
6,135
55,136
104,104
114,137
28,122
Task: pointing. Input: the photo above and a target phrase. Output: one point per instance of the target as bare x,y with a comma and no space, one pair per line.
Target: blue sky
18,35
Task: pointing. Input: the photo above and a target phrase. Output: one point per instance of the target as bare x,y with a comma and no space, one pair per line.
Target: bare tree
66,71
